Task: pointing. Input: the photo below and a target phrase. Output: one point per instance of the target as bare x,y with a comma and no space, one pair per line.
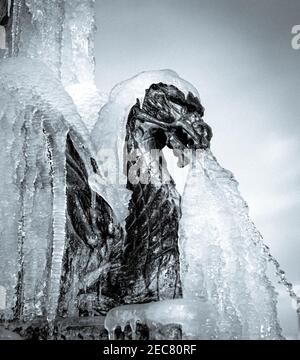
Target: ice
222,255
78,63
2,38
196,318
111,129
2,298
77,59
37,30
226,292
89,100
61,35
223,258
36,115
51,45
8,335
58,33
47,91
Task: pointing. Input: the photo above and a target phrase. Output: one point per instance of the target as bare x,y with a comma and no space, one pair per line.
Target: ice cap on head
109,132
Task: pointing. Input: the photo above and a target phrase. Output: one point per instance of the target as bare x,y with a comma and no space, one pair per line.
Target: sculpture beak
184,134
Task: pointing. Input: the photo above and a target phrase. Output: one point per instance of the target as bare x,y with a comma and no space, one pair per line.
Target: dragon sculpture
97,262
104,264
151,256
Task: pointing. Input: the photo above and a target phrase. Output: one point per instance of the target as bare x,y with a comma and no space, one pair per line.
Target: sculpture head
173,119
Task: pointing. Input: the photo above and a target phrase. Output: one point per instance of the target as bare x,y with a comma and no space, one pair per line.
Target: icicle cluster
61,35
36,114
223,255
196,318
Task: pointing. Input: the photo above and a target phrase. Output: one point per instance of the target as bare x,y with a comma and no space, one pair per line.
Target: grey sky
238,54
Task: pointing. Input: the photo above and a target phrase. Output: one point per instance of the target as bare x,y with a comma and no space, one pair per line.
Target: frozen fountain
47,154
223,256
223,260
94,233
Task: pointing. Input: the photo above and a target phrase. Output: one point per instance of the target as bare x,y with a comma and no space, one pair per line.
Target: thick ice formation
223,259
51,45
36,115
2,38
61,35
77,59
196,318
89,100
226,292
111,129
36,31
222,254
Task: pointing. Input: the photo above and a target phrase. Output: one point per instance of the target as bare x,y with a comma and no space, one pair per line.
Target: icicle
111,334
2,38
133,329
223,254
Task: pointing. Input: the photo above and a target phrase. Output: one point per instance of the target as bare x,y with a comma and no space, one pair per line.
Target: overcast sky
238,54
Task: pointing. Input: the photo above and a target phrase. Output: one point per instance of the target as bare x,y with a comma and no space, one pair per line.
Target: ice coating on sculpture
78,61
89,100
36,116
79,238
111,129
34,113
36,31
223,259
195,318
222,254
46,149
223,267
61,35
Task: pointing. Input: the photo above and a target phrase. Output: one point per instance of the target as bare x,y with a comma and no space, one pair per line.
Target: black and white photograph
149,172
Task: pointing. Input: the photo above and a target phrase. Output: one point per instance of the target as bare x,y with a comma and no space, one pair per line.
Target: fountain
94,233
223,259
